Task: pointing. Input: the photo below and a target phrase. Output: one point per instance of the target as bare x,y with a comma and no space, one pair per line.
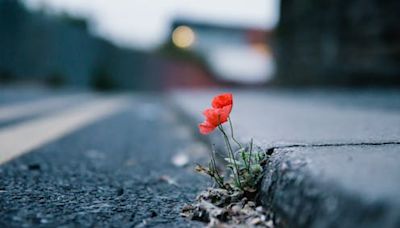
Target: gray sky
145,23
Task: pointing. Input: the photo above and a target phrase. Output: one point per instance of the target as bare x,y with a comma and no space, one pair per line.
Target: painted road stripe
25,137
20,110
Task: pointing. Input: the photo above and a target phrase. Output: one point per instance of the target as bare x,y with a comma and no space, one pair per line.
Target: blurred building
232,54
339,42
58,49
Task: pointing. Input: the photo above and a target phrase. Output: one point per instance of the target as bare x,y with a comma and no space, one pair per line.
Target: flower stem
233,137
250,154
231,155
242,153
215,173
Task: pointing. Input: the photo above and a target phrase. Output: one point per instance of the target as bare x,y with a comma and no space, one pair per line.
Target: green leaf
256,168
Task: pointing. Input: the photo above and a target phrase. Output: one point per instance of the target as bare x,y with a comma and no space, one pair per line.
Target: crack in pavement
271,150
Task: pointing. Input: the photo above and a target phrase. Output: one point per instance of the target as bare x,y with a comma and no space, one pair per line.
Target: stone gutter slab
335,186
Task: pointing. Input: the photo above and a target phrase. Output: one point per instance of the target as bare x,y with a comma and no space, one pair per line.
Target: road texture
114,172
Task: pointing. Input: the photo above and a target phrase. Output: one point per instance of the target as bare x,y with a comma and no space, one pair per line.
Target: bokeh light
183,36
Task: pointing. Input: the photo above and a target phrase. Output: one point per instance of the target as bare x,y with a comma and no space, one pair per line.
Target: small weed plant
245,164
232,203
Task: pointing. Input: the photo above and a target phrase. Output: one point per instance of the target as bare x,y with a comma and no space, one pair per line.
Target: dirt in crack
224,208
230,204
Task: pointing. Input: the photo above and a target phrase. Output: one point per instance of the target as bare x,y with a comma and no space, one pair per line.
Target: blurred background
163,45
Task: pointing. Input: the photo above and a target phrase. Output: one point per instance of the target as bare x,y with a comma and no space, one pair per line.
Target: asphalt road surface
95,162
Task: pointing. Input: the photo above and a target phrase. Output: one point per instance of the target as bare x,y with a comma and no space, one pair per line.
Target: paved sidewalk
334,155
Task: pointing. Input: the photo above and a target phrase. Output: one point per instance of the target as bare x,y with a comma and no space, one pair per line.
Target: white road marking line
22,138
14,111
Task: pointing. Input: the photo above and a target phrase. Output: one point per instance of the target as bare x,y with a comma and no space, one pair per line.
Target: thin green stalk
218,177
232,156
242,153
251,150
233,137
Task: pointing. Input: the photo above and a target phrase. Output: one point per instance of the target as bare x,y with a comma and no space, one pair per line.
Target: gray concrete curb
360,188
304,198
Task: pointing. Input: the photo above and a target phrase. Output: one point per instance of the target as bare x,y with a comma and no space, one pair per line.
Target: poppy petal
222,100
212,116
217,116
224,113
206,128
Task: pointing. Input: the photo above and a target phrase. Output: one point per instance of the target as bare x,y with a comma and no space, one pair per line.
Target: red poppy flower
206,127
218,114
223,100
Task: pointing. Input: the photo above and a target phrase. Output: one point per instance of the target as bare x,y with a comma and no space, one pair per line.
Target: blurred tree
101,80
56,80
33,44
6,77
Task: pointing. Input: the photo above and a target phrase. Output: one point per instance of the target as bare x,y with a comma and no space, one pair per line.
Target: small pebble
251,204
259,209
180,160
